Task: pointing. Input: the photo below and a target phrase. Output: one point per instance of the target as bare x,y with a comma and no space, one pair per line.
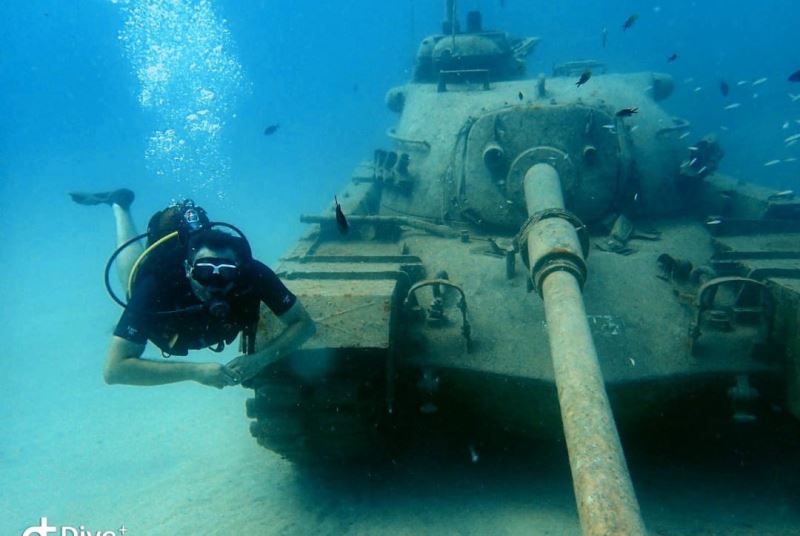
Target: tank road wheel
278,414
343,421
330,422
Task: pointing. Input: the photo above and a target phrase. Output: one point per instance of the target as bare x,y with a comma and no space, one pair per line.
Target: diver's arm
299,328
125,366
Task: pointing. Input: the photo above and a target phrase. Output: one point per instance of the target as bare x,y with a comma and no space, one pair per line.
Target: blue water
86,106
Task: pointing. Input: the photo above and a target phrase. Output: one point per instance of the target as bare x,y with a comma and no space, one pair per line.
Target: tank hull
425,311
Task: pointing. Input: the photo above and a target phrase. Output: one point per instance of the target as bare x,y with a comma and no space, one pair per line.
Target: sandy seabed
179,460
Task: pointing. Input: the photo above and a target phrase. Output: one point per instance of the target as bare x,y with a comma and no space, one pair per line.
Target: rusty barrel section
603,490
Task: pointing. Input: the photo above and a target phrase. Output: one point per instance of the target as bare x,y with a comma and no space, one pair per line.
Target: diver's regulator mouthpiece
218,308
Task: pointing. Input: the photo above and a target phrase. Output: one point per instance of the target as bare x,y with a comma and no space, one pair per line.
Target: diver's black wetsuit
164,309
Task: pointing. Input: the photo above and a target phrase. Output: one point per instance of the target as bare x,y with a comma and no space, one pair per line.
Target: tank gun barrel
603,490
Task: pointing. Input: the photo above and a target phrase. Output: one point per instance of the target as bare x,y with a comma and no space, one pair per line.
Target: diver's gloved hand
216,375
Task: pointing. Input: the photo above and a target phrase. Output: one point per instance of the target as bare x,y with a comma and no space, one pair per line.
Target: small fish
714,221
605,37
723,127
794,98
698,88
634,128
630,21
771,163
609,126
785,125
692,161
627,112
794,77
702,170
792,138
732,106
742,82
271,129
724,88
790,159
759,81
520,95
584,78
672,58
791,143
474,457
693,148
341,221
683,136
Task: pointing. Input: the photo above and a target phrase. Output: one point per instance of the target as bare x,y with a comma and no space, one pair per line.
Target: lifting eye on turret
494,157
590,155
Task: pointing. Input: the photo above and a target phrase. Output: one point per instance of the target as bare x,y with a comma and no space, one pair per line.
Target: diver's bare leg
126,230
120,201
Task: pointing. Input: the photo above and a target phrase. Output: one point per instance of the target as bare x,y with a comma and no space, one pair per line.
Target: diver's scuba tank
183,217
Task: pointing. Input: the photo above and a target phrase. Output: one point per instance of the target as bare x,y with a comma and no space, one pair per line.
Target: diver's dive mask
213,273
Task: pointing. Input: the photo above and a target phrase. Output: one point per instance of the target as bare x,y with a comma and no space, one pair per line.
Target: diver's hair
216,240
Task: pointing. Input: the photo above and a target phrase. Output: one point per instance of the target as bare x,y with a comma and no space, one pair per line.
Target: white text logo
45,529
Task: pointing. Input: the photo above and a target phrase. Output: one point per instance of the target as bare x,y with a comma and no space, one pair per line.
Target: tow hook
743,398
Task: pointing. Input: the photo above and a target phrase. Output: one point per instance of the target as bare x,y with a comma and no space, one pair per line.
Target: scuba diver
194,286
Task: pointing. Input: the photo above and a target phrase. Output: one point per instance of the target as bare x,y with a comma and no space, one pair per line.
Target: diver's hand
246,366
216,375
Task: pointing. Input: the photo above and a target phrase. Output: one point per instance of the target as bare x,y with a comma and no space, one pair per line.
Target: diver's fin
122,197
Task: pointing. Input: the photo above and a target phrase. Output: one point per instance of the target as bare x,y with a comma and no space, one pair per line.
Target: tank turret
473,55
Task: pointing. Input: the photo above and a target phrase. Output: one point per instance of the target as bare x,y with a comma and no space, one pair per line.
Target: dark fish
794,77
630,21
520,95
673,57
271,129
605,37
724,88
584,78
341,221
627,112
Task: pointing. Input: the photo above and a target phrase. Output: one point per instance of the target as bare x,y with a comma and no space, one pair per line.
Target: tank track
333,421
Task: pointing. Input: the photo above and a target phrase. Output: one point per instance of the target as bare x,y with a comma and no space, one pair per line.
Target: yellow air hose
143,256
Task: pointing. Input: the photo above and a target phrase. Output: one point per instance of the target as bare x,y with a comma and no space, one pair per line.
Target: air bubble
190,79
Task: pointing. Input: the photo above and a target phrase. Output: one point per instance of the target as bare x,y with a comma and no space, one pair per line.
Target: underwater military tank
531,254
